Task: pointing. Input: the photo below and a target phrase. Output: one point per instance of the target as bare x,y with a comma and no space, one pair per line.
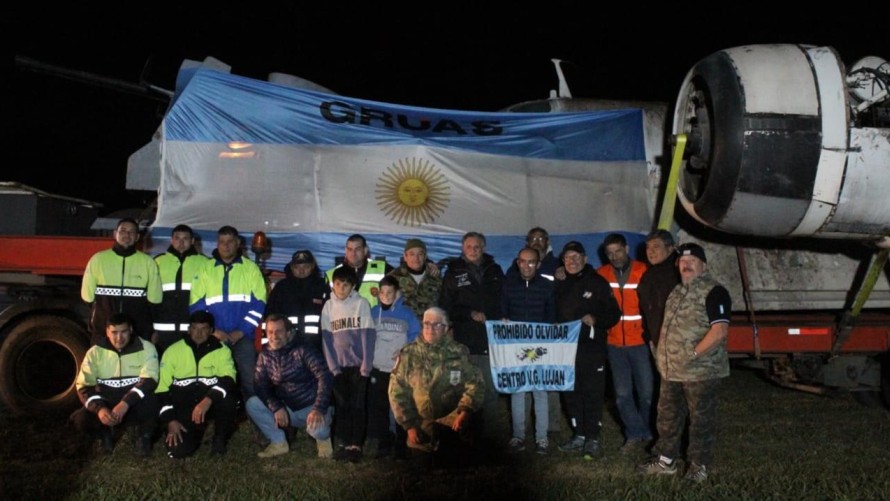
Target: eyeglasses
434,325
537,239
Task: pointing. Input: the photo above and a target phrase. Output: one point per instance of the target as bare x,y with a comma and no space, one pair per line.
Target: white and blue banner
529,356
309,169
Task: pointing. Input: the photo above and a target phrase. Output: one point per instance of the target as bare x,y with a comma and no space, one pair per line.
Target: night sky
74,139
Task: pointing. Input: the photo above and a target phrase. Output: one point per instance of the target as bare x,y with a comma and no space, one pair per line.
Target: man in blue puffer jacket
293,389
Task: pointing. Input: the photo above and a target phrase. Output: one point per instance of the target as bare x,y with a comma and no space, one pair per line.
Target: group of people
399,354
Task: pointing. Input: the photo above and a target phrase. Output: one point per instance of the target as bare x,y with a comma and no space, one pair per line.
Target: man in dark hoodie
471,294
585,295
179,268
300,297
121,280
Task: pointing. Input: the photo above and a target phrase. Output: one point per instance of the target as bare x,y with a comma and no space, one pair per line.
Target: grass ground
772,444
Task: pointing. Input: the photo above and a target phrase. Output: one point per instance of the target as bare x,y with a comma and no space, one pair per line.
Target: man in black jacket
471,294
585,295
300,297
657,283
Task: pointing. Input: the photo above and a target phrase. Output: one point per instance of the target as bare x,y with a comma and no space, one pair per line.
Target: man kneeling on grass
434,390
197,384
293,388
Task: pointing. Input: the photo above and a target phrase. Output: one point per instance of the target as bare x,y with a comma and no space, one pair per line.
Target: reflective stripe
220,390
548,277
138,392
165,327
233,298
310,329
631,317
172,287
118,383
94,397
208,381
312,318
166,408
256,314
616,285
116,291
373,277
294,320
252,321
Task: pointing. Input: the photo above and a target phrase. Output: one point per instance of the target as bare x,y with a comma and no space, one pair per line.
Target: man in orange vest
629,355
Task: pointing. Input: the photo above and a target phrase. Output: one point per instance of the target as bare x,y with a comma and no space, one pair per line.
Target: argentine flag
309,169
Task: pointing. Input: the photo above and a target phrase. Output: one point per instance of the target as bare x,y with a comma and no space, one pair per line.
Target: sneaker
325,448
354,454
575,444
633,446
592,449
541,446
658,465
697,473
340,453
515,445
274,449
218,448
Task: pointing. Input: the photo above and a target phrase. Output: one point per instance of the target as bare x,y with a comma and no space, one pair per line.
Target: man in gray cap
418,286
692,359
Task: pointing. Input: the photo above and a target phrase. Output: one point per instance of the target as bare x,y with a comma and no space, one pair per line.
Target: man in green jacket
197,383
116,385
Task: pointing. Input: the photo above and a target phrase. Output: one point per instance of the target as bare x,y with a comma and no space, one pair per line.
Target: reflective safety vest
629,329
374,272
177,275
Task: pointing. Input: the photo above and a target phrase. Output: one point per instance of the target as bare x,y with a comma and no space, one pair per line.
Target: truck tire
39,362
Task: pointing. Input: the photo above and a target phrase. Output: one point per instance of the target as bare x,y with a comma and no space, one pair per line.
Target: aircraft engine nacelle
783,141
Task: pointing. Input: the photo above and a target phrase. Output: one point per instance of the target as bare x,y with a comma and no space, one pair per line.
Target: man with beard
585,295
300,297
629,357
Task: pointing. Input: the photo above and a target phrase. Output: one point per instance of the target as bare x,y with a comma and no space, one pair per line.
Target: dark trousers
144,415
379,412
222,413
350,416
585,403
697,401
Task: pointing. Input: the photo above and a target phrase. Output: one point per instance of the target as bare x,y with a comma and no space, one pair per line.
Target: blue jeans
632,370
265,421
517,409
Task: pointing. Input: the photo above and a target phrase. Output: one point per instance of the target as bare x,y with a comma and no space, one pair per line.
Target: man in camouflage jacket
692,359
434,388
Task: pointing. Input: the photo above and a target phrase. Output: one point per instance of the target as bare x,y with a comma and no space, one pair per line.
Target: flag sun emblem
412,192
